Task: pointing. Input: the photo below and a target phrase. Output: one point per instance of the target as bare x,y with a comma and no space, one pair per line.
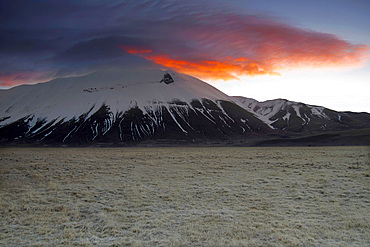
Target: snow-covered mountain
121,106
135,104
281,114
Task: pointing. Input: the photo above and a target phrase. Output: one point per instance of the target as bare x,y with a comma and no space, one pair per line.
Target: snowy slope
120,90
131,103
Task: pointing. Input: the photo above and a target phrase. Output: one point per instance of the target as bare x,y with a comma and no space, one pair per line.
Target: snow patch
178,124
287,116
319,111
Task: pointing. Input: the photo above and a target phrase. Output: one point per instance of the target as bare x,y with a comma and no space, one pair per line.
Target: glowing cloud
226,46
229,69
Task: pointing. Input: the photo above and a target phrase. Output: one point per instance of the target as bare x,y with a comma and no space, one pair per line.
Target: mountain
135,105
123,106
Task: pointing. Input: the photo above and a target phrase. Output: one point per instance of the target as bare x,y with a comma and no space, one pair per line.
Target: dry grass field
185,196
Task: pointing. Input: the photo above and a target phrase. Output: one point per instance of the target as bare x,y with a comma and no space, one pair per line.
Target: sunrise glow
231,69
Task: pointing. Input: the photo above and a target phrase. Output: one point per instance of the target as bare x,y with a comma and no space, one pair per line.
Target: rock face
130,106
167,79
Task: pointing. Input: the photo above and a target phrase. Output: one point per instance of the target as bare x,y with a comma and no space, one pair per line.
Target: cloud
228,45
38,41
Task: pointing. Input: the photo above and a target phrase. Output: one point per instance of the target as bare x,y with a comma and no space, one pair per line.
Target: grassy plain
316,196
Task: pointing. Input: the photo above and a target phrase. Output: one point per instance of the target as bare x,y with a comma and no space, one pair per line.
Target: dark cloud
41,39
94,49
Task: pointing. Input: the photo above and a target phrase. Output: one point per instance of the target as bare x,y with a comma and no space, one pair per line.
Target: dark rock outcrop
167,78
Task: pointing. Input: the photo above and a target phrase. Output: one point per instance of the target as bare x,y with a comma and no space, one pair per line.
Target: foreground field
185,196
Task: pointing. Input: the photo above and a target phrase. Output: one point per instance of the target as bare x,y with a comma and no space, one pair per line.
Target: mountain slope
121,106
281,114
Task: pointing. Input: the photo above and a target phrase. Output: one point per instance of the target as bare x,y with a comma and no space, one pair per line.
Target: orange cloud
228,69
203,69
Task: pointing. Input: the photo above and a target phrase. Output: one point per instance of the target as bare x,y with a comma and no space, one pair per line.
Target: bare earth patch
185,196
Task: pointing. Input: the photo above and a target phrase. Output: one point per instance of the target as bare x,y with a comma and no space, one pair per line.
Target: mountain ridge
297,117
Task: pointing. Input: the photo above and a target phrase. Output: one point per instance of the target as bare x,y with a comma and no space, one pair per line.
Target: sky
311,51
